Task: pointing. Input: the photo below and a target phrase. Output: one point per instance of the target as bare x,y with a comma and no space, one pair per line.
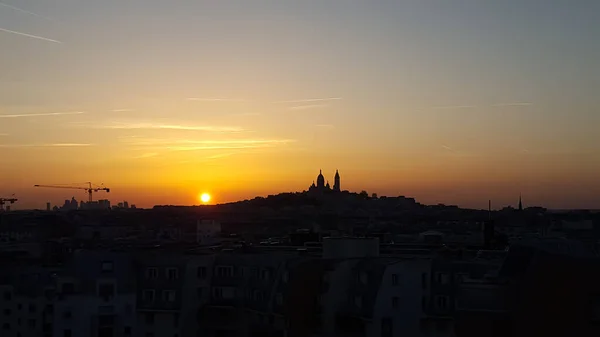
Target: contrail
43,114
29,35
25,11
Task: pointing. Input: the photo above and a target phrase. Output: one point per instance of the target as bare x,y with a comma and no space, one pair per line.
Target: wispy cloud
25,11
190,144
446,147
208,99
451,107
3,134
306,107
247,114
29,35
151,126
309,100
46,145
43,114
121,110
221,155
146,155
514,104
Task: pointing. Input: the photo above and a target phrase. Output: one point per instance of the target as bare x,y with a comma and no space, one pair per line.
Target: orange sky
452,103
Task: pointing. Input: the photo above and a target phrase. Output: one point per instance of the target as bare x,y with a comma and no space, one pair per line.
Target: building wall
402,281
196,293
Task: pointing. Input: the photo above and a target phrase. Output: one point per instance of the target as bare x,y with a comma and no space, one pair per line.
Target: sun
205,197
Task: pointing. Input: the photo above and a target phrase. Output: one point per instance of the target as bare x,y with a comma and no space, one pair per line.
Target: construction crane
10,200
90,188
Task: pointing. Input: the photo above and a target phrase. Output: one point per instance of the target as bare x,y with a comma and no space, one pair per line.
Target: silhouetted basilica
323,186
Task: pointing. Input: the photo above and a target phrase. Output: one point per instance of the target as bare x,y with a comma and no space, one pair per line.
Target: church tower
320,180
336,183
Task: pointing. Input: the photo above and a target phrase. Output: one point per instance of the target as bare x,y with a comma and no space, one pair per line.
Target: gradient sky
452,102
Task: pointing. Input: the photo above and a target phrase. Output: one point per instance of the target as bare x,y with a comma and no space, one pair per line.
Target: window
218,293
172,274
201,273
424,280
443,278
6,326
19,306
32,307
67,333
127,330
424,302
31,323
67,314
7,312
285,277
148,295
265,274
168,295
259,295
279,299
442,302
387,327
7,295
223,271
394,279
107,267
176,320
151,273
149,334
149,318
395,302
200,293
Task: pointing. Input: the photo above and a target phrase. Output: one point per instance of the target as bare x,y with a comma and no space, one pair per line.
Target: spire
520,203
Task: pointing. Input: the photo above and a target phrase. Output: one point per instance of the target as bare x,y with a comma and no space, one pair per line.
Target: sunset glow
158,101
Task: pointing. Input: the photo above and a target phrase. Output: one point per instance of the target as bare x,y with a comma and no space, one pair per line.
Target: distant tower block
48,207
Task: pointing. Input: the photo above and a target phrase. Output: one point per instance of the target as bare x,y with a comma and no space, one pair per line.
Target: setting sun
205,197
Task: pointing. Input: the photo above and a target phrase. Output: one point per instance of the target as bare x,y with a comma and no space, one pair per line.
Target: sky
453,102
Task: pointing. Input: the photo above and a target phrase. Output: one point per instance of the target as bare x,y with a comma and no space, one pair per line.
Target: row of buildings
340,287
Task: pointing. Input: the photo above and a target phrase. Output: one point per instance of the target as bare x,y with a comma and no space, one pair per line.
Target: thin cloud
307,107
514,104
450,107
43,114
308,100
122,110
448,148
221,155
247,114
29,35
3,134
25,11
146,155
201,99
191,145
150,126
46,145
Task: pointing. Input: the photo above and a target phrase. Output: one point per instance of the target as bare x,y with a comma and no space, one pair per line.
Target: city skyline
162,101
